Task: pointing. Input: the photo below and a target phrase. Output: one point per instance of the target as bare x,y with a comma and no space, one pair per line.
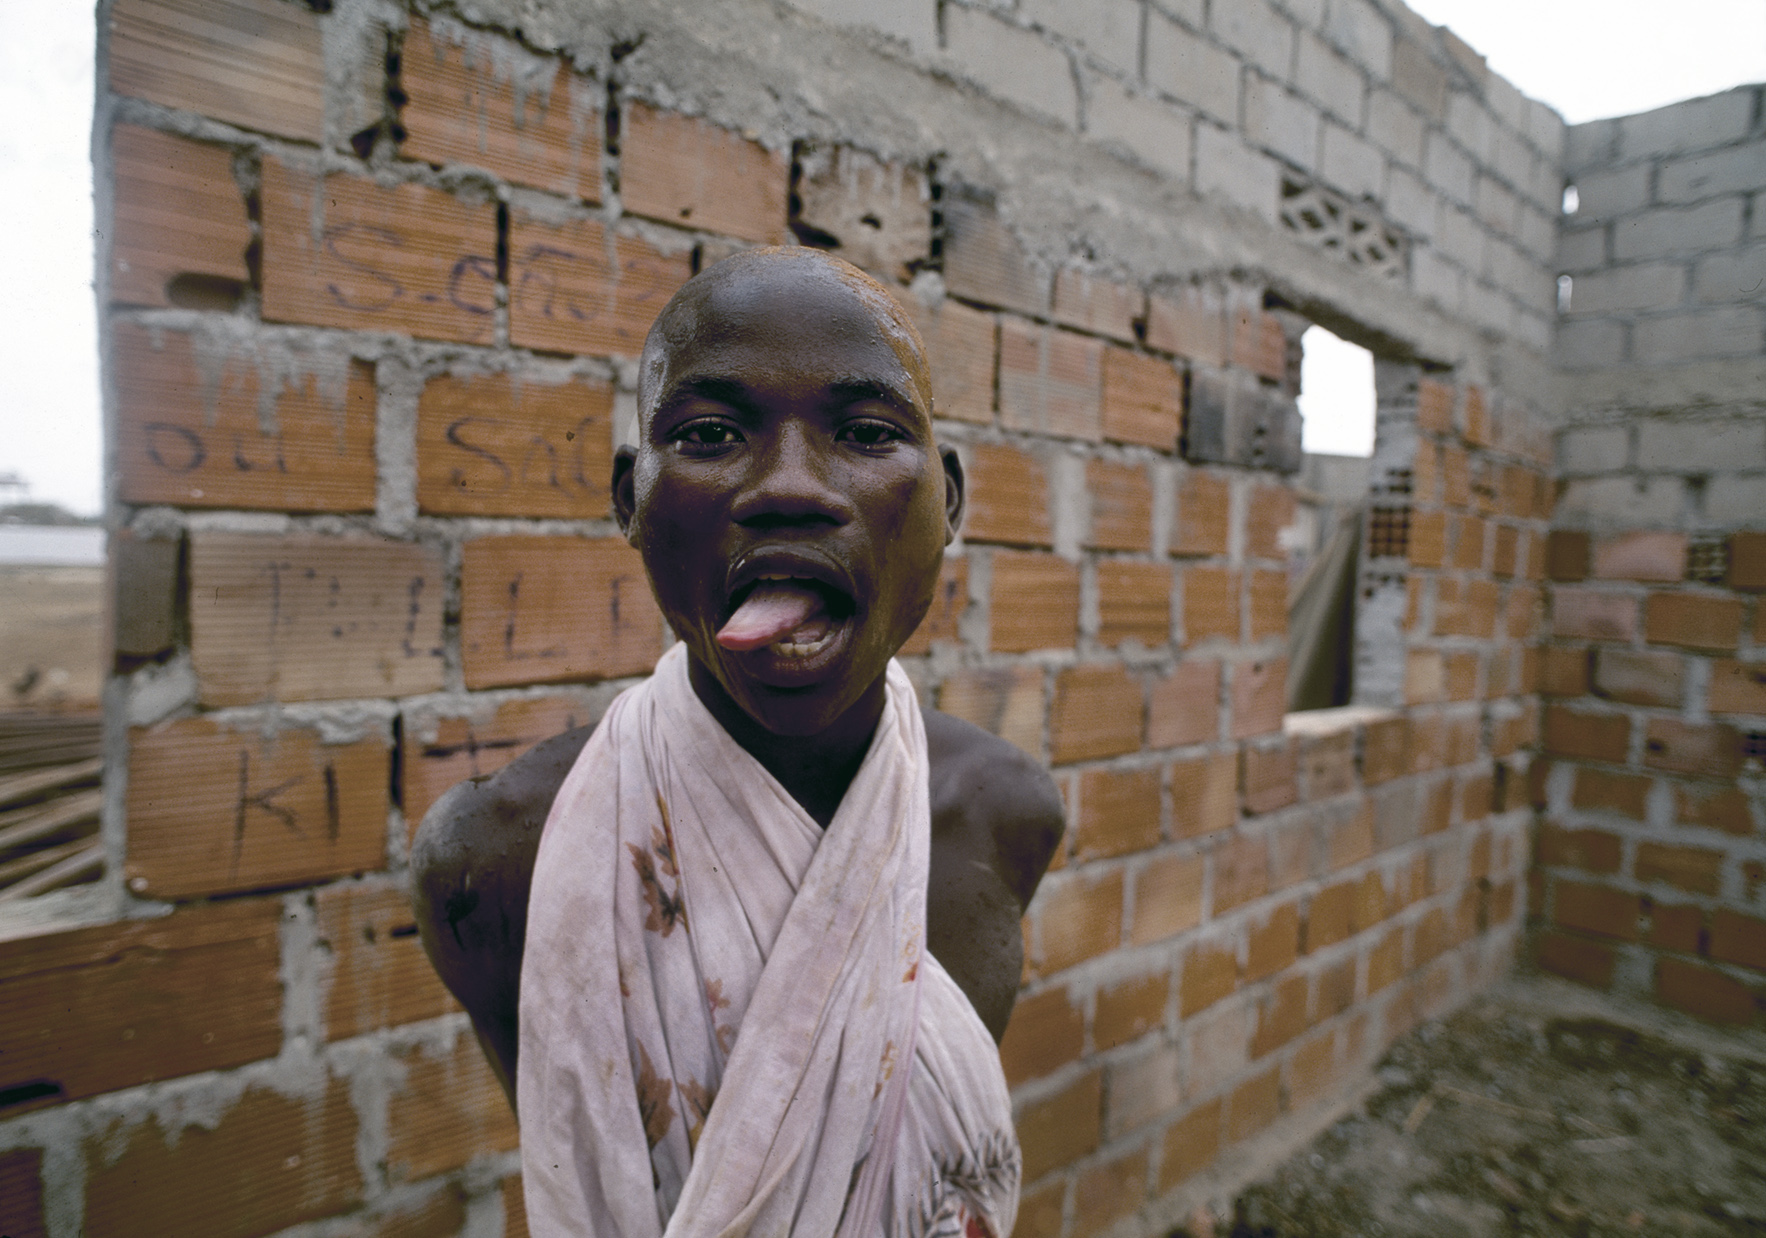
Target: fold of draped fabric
716,995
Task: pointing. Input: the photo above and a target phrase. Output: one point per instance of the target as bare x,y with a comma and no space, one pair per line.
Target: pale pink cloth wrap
692,933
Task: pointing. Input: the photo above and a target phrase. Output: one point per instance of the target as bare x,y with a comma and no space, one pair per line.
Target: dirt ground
1513,1118
51,636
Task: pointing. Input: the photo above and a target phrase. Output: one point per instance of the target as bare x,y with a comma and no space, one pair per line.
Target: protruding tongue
775,609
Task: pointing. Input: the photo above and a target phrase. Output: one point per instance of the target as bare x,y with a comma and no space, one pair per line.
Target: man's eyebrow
856,390
706,387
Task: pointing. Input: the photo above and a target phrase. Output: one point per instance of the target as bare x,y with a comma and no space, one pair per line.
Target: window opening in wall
1337,434
1566,286
1572,200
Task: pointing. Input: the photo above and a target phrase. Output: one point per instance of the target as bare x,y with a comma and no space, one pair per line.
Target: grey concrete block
1496,206
1739,275
1333,81
1592,345
1190,12
1362,33
1232,419
1546,129
1012,63
1582,249
983,260
1535,330
1522,278
1648,285
1435,278
1512,160
1655,234
144,601
1306,12
1736,169
878,215
1417,77
1736,500
1447,168
1280,122
1154,132
1538,232
1394,125
1506,103
1693,124
1590,145
1257,31
1191,70
1107,29
1631,502
1594,449
1544,186
1471,125
1227,168
1611,193
1489,307
1354,166
1736,331
1410,203
914,23
1461,238
1699,445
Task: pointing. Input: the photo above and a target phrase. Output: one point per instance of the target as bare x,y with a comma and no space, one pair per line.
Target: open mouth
792,617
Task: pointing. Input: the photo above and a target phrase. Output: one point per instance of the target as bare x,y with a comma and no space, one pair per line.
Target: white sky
1587,58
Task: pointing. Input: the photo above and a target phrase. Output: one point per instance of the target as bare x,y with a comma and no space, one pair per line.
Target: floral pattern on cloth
794,1032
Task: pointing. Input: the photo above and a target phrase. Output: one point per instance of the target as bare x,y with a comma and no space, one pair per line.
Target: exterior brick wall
1651,849
374,282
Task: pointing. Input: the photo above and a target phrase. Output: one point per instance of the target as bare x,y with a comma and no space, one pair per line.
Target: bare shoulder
980,783
472,865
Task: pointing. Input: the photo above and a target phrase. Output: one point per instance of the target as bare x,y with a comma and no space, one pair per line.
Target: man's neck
814,769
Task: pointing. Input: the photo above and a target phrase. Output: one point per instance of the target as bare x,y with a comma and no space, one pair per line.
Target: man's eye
870,433
701,435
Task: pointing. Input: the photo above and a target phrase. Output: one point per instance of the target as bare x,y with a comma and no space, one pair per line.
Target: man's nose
791,483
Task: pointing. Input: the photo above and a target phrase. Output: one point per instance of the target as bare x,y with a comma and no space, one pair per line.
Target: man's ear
953,493
624,488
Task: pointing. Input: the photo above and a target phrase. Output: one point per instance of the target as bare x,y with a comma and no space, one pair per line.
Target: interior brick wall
373,282
1651,874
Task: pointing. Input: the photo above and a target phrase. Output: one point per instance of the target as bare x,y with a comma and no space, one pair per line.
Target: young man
767,878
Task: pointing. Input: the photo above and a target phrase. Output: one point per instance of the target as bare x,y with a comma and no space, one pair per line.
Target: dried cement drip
527,74
223,347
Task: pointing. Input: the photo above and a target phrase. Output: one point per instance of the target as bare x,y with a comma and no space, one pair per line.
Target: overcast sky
1587,58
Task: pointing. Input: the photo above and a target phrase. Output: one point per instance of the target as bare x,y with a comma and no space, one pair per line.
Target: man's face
787,481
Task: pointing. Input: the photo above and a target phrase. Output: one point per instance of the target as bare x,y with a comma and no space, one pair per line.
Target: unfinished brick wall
1651,852
373,284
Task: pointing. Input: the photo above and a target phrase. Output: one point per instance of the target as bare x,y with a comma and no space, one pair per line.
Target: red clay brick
1641,556
1128,1010
514,1208
1600,910
1737,687
1097,713
1456,476
1143,398
1241,872
1434,406
213,810
950,599
1505,556
1705,992
1191,1144
1274,944
1330,916
1035,602
1468,543
1204,794
984,261
574,289
1081,918
1045,1033
1739,939
1119,812
271,1161
1104,1194
1270,510
1592,851
1254,1104
1190,322
1258,343
1565,670
1101,306
1061,1129
1050,381
448,1109
254,63
1385,750
1269,604
1121,506
195,441
94,1010
378,974
1747,562
1692,748
1478,418
960,351
1335,990
1008,497
877,214
1591,615
1134,602
1167,898
1210,973
407,259
1210,604
1281,1017
1312,1071
1204,515
1686,868
1004,700
1184,706
1595,737
544,609
1674,927
1042,1213
1267,777
1385,961
1606,791
1327,764
488,445
1723,807
1692,621
1576,958
1259,697
1566,555
681,170
21,1194
1638,677
176,211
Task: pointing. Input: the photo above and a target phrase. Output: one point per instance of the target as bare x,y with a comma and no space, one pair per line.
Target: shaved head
771,273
